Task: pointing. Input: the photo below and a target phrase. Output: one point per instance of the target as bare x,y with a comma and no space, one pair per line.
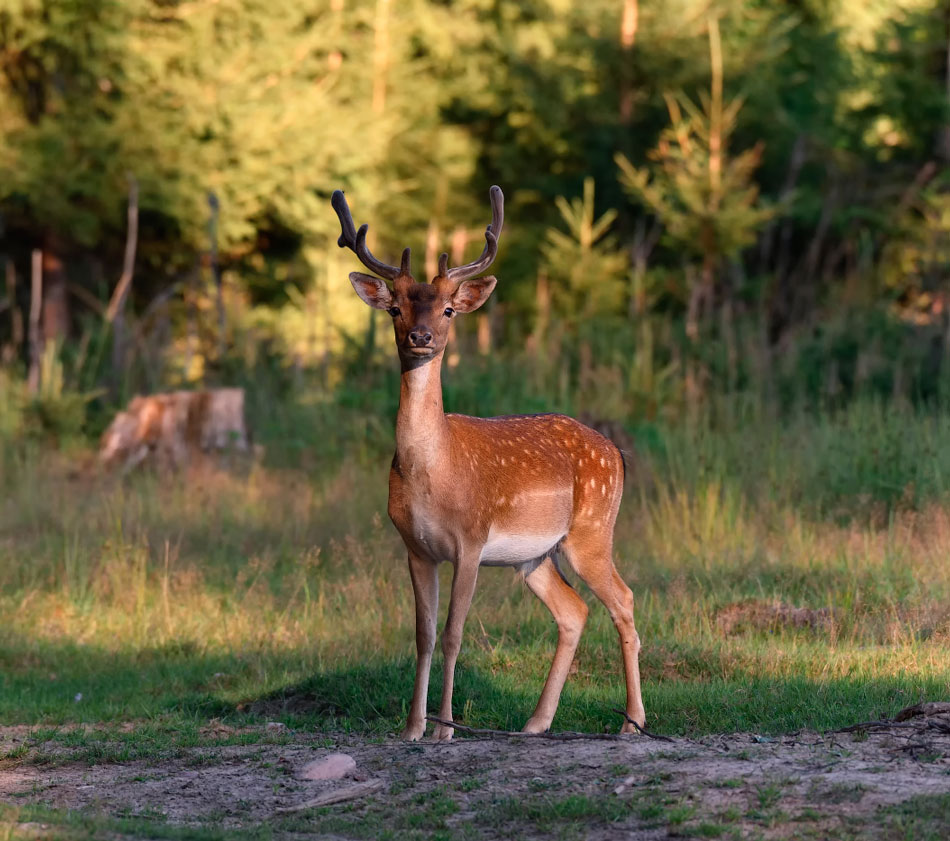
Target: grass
282,594
425,817
923,818
32,822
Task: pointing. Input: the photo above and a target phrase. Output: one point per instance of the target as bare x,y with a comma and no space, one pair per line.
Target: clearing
878,782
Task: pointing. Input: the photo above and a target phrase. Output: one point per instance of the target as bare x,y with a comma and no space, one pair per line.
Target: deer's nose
420,337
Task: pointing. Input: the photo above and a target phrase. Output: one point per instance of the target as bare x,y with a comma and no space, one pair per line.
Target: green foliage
54,410
706,198
791,153
61,160
709,204
914,267
586,265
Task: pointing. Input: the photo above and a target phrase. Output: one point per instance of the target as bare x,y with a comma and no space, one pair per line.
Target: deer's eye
449,312
394,311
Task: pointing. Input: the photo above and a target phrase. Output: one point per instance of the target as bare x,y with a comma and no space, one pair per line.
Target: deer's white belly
504,548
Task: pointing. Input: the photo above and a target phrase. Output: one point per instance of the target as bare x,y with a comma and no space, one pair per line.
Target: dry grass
213,592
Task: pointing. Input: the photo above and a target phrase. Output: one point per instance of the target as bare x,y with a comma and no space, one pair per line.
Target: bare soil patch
744,784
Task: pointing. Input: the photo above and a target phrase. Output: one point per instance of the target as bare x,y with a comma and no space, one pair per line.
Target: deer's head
421,312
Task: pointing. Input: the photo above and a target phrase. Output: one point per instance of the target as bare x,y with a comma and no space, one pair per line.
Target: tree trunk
115,313
55,314
543,301
484,333
36,308
460,237
16,316
216,269
628,36
767,241
644,241
692,335
190,293
380,56
432,247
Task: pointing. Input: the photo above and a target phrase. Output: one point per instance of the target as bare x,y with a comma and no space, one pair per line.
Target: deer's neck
420,424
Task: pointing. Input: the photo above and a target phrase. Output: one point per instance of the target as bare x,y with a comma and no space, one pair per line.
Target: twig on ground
912,746
641,730
512,734
876,725
339,795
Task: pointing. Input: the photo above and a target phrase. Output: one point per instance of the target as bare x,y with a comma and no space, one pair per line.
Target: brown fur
491,491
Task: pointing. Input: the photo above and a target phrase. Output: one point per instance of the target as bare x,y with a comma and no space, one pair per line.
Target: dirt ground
802,785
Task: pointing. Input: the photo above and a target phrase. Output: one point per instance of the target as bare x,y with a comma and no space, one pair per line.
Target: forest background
727,243
703,198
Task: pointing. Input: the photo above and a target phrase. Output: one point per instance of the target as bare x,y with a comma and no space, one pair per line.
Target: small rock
275,727
331,767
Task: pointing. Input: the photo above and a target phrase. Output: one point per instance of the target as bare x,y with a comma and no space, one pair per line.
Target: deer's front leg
425,587
463,588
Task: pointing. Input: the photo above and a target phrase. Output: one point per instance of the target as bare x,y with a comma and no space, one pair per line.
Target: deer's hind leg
570,614
589,551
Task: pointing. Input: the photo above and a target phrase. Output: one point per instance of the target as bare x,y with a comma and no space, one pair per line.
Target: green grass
923,818
19,823
282,594
426,817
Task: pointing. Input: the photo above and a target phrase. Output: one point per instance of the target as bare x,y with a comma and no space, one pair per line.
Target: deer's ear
372,290
471,294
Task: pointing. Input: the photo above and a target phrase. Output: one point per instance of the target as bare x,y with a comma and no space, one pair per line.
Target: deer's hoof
414,732
442,733
629,728
535,726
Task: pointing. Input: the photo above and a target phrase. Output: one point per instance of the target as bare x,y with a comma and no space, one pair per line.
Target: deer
522,491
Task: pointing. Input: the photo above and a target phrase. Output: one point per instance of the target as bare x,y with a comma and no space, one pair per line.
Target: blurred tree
840,109
61,161
587,267
707,199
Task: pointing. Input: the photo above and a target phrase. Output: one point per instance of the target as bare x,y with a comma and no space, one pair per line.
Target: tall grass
283,592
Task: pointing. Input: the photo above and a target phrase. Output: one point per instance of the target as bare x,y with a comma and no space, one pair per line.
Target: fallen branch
514,734
641,730
876,725
339,795
914,746
926,710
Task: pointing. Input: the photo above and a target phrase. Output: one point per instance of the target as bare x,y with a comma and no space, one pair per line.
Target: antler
492,233
356,241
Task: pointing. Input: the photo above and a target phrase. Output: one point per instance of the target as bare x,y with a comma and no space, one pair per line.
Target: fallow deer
509,491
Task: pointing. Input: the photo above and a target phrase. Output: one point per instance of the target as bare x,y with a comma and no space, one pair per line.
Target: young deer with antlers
509,491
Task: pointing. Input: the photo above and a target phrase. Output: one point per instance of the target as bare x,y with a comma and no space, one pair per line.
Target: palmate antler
356,242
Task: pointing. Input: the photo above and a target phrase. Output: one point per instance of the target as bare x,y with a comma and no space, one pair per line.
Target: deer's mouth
421,351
